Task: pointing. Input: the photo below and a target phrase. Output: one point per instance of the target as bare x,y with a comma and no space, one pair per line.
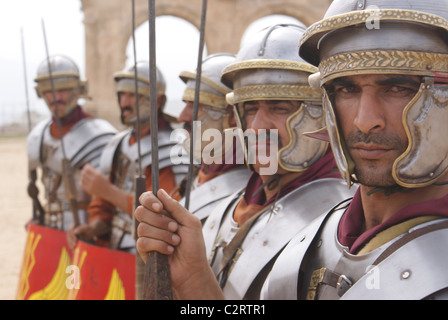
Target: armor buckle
325,276
343,285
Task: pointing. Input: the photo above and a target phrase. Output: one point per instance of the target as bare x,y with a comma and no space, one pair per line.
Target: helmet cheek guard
425,119
269,68
213,119
411,40
302,151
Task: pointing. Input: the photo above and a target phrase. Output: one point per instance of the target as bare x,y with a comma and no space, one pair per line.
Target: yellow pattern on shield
29,262
56,289
116,289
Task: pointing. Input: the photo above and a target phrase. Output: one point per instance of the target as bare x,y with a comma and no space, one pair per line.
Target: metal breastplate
286,280
128,166
127,169
283,279
331,269
82,144
414,271
331,272
213,223
264,241
205,197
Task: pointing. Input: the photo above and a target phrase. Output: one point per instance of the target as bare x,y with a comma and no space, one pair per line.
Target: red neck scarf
68,122
350,229
323,168
162,125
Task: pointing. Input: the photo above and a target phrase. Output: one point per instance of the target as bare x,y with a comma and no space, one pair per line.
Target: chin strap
390,190
396,188
271,183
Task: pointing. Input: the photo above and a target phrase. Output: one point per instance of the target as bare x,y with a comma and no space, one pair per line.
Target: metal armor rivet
429,67
431,174
319,244
405,274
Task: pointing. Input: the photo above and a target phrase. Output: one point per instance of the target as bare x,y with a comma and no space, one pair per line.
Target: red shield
104,274
45,261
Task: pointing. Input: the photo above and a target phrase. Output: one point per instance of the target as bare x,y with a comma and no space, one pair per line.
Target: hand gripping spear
157,281
67,172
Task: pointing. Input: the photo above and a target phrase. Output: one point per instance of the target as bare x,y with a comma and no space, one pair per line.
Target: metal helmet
212,94
64,76
389,37
125,82
269,68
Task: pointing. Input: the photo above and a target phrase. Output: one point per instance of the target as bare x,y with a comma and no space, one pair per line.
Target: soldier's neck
144,129
378,206
271,189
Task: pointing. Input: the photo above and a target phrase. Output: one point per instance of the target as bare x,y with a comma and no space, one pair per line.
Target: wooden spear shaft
140,179
157,280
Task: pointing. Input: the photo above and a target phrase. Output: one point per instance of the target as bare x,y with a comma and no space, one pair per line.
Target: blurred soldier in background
111,212
294,178
72,135
222,170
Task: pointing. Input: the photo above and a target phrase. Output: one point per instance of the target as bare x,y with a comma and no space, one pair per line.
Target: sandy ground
15,211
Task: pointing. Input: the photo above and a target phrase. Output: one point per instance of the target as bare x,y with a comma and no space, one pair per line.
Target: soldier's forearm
116,196
200,286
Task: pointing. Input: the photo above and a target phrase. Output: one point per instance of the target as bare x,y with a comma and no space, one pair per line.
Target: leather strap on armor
231,249
405,267
325,276
409,237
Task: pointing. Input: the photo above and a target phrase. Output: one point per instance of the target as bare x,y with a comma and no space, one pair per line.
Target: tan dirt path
15,211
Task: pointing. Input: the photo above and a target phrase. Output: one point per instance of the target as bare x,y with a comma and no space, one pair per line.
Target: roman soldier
110,213
294,178
383,68
221,169
72,135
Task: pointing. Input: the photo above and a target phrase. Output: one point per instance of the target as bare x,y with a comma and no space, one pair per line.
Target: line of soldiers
356,205
382,71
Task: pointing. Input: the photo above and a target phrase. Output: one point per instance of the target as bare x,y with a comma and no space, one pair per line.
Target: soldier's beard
376,172
126,117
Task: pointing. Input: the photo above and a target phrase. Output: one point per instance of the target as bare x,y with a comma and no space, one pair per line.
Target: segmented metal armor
378,37
268,68
82,144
